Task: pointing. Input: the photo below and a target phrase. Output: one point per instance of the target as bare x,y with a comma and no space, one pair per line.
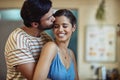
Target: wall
86,10
5,30
87,17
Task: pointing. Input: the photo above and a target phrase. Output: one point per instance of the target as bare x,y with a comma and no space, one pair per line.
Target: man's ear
34,24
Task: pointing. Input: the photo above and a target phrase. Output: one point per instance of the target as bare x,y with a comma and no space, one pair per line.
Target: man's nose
53,18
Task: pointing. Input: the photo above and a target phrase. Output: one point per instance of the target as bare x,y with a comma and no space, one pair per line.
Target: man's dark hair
34,10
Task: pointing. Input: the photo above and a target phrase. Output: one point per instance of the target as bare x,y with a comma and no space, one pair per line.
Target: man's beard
41,27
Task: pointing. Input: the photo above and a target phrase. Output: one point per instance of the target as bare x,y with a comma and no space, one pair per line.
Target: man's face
46,21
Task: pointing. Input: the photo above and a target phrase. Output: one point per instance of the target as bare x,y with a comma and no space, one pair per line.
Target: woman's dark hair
33,10
68,14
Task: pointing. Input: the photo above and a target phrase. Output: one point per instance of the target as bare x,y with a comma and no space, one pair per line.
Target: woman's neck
62,44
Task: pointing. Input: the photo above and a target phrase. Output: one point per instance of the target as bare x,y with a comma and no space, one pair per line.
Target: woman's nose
60,28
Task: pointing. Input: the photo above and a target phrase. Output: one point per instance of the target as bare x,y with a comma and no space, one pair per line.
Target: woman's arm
76,70
47,54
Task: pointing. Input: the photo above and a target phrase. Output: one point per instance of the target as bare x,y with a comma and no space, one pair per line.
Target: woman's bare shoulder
51,44
72,54
50,48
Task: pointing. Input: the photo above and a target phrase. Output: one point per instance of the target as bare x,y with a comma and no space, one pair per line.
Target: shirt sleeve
18,51
20,56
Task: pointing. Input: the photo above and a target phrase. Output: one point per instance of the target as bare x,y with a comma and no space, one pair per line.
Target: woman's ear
34,24
74,28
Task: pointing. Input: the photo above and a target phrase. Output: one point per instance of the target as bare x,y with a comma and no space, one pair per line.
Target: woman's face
63,28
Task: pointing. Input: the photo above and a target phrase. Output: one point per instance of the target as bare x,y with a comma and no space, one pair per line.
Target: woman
57,62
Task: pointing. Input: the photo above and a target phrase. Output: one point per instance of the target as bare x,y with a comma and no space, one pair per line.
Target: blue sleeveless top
59,72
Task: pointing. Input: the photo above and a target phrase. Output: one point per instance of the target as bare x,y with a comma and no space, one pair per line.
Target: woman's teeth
61,35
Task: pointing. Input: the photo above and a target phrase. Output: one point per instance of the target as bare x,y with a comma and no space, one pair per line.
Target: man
24,44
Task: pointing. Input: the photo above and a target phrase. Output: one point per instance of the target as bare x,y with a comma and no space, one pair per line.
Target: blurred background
96,42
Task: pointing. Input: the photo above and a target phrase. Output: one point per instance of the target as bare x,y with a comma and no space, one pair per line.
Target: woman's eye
65,26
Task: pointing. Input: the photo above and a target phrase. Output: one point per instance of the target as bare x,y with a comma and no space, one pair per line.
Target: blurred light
10,14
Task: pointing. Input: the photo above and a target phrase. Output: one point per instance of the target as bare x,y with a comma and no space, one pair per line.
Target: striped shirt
22,48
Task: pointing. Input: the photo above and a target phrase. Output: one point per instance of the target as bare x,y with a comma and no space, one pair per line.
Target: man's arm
27,70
